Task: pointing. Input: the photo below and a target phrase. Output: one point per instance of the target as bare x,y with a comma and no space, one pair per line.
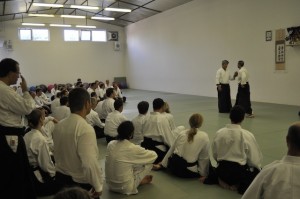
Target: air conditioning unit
113,36
117,46
8,45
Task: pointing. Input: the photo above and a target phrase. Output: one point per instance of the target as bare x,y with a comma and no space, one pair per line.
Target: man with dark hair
113,120
127,165
223,88
243,94
108,104
237,153
158,135
16,175
139,122
76,151
280,179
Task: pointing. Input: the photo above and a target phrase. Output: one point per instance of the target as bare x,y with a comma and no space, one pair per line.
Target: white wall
63,62
181,49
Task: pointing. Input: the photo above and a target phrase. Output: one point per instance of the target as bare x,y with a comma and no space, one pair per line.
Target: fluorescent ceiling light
73,16
81,26
117,9
40,15
103,18
33,24
48,5
60,25
85,7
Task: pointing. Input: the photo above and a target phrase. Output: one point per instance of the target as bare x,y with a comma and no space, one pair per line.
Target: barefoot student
127,165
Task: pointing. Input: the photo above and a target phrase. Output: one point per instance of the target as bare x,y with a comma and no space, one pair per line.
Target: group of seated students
151,141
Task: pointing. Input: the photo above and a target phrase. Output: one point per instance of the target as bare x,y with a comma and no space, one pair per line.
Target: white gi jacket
277,180
76,152
38,152
235,144
112,122
196,151
122,159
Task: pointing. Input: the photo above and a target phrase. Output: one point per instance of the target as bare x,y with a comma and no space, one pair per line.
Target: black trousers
224,99
150,144
233,173
243,98
178,166
16,177
64,181
48,187
109,138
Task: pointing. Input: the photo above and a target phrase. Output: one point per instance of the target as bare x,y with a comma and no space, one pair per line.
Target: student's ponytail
195,121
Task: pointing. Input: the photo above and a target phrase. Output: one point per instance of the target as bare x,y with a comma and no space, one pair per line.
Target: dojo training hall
174,55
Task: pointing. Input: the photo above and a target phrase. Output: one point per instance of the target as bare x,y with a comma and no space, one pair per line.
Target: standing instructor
16,175
222,81
243,94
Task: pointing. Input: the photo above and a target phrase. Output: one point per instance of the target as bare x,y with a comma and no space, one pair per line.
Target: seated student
118,91
113,120
175,129
280,179
108,104
56,102
44,100
93,119
72,193
158,135
63,111
188,157
237,153
169,116
127,165
39,155
139,122
101,90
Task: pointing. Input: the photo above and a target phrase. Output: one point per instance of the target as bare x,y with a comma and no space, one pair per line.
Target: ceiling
141,9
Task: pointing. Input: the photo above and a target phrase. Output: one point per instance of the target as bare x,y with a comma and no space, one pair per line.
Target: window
34,34
85,35
99,35
71,35
40,35
25,34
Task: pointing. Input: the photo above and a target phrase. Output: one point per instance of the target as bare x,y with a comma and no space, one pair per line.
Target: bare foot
202,179
156,167
147,179
223,184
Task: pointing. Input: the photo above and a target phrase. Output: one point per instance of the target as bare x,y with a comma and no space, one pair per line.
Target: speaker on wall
117,46
113,36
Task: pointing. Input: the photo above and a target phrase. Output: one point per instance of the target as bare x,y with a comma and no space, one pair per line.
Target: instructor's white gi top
223,76
13,106
277,180
243,76
76,152
195,151
235,144
122,158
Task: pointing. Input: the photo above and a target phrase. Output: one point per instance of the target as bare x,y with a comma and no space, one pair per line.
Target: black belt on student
155,143
11,130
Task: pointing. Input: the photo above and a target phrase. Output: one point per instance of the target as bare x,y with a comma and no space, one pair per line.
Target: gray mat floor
269,127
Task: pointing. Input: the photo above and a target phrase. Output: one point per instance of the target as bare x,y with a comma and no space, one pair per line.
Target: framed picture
269,35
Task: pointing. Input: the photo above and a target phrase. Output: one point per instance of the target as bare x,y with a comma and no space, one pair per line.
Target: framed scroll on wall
280,50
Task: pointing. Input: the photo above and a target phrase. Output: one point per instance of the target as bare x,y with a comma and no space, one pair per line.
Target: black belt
11,130
155,143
